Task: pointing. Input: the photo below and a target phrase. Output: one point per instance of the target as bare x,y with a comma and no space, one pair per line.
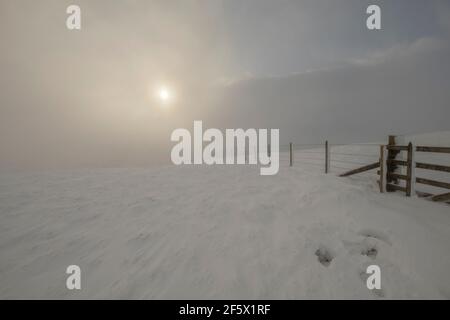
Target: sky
312,69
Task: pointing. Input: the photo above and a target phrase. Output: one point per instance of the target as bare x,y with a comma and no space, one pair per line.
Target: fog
86,98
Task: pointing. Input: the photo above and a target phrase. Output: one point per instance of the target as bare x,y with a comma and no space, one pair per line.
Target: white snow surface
217,232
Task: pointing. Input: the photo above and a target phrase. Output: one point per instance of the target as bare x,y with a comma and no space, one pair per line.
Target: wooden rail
397,162
398,148
441,197
394,187
397,176
433,183
433,149
435,167
422,194
361,169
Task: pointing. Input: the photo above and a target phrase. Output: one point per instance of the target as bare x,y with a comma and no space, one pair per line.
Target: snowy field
216,233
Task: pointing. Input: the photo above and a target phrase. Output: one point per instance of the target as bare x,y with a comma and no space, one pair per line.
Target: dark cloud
402,90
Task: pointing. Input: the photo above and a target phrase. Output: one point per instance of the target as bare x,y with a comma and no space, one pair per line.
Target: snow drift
217,232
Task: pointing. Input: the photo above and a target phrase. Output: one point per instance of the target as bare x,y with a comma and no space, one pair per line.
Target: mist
86,98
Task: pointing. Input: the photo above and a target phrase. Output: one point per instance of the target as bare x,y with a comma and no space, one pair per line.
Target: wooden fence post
391,167
410,172
290,154
383,169
246,154
413,169
327,157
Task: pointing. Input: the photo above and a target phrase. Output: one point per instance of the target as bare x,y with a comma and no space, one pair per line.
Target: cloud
400,90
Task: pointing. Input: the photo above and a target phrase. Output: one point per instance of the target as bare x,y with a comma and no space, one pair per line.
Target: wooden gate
390,177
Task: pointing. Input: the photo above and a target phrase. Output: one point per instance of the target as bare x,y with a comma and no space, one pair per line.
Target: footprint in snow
324,256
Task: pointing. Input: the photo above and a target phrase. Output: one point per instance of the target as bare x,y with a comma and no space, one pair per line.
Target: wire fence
341,157
385,164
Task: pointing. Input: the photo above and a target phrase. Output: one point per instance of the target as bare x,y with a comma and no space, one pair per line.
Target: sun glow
164,94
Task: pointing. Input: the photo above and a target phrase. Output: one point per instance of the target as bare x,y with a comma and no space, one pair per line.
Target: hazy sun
164,94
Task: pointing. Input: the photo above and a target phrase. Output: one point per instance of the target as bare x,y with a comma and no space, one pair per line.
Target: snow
218,232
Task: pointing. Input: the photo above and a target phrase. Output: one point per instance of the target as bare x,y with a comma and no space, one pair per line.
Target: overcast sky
310,68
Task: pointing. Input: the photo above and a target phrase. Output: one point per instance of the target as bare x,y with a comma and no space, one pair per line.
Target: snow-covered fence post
327,157
410,172
290,154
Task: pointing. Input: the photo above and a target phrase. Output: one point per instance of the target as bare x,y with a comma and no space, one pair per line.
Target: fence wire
341,156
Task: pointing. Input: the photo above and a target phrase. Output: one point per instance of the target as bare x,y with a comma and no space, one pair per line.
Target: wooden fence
392,158
389,177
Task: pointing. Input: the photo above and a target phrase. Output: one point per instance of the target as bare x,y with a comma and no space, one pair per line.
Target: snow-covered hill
217,232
